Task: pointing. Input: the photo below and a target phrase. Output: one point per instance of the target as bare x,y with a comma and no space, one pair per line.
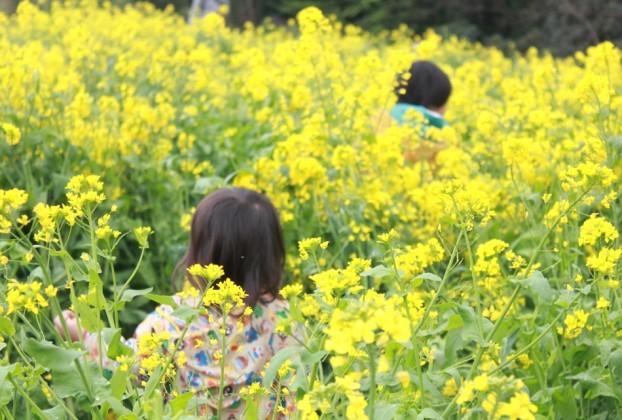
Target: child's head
240,230
428,86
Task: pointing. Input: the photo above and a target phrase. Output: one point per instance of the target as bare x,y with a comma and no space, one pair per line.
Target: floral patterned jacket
251,342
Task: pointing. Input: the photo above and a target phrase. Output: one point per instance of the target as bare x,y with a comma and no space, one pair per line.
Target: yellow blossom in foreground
574,324
210,272
27,296
519,407
596,227
12,133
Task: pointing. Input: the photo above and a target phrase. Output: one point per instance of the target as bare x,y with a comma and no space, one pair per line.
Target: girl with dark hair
240,230
425,90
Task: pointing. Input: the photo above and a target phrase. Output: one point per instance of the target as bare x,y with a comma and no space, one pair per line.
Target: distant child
240,230
426,91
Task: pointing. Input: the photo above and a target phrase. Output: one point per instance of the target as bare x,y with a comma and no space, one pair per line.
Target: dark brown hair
428,85
240,230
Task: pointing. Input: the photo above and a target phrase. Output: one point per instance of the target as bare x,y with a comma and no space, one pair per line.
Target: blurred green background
560,26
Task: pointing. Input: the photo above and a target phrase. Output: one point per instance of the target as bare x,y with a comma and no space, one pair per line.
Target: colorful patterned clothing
247,353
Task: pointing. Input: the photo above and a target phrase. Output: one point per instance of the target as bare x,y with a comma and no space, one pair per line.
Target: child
238,229
426,92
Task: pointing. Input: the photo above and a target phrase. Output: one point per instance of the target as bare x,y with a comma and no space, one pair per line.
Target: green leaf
252,412
116,348
275,363
615,361
55,413
88,316
454,321
50,356
180,403
384,411
161,299
154,382
429,276
309,358
68,383
592,380
470,329
6,326
186,312
130,416
538,286
6,387
207,184
118,383
130,294
378,272
429,413
116,406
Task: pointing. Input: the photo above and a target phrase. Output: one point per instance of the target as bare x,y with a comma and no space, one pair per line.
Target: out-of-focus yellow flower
12,133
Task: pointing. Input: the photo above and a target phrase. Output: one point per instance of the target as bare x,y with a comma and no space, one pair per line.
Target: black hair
428,85
240,230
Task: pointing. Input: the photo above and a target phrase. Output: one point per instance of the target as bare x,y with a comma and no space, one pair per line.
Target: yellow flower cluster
372,319
10,200
227,295
28,296
413,260
310,245
574,324
320,399
210,272
12,133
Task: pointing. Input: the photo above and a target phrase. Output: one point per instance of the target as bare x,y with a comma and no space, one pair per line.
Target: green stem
372,380
428,309
534,341
478,301
26,397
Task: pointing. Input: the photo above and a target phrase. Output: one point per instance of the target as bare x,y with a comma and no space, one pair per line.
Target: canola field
484,284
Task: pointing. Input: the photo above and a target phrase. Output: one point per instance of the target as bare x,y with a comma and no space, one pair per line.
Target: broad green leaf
429,413
455,321
55,413
470,329
378,272
252,412
429,276
130,294
6,326
384,411
161,299
88,316
154,382
180,403
50,356
275,363
186,312
538,286
592,380
310,358
6,387
118,383
67,382
207,184
115,405
116,348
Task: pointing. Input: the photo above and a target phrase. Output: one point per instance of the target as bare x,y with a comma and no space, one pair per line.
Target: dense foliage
483,284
